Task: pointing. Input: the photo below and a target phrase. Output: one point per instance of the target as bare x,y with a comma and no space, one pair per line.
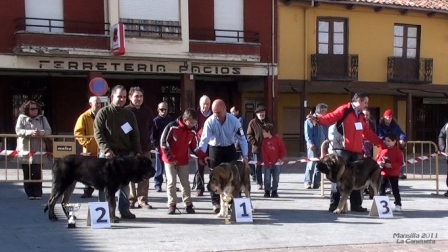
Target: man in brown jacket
255,138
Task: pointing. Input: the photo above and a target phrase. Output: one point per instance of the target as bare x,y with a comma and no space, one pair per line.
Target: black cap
259,109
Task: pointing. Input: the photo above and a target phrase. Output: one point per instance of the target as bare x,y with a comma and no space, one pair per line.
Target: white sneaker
397,208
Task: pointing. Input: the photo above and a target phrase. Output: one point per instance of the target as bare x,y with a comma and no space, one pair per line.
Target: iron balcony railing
231,36
141,29
423,76
61,26
352,62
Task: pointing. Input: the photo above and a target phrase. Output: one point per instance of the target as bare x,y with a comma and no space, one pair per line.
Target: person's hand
35,132
280,161
312,148
109,154
206,160
402,144
246,162
388,165
312,118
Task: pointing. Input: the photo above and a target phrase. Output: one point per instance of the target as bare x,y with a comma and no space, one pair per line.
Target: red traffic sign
98,86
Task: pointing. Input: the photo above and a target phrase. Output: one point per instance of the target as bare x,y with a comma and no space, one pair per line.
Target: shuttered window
150,18
44,15
229,20
161,10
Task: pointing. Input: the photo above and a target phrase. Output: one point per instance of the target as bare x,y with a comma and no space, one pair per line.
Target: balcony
326,67
152,29
53,33
403,70
225,42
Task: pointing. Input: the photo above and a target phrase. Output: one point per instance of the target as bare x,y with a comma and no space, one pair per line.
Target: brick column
271,98
188,91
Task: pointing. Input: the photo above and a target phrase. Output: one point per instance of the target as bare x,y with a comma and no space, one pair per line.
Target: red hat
388,113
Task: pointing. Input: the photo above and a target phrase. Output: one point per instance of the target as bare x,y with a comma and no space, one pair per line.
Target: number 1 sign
98,215
243,210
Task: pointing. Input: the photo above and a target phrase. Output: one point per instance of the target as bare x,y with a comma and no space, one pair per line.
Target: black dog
103,174
350,176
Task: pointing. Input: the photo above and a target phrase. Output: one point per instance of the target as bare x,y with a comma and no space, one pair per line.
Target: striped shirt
216,134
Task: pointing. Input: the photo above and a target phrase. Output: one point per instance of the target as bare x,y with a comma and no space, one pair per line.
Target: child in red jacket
272,151
177,138
390,160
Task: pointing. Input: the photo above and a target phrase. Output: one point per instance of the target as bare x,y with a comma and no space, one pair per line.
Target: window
150,17
229,20
44,15
406,41
331,36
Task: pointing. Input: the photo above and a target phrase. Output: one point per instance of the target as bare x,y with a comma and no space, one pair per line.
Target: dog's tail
324,148
46,208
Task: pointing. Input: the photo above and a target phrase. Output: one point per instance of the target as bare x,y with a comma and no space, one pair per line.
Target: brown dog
350,176
228,180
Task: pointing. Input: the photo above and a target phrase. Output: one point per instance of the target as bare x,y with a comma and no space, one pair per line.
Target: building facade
176,50
393,50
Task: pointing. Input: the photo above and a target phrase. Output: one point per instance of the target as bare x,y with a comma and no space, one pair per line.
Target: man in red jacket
351,128
177,138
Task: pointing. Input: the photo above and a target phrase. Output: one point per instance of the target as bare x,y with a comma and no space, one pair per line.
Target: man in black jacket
160,122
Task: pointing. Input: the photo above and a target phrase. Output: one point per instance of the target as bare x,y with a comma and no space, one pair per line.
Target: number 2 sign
381,207
98,215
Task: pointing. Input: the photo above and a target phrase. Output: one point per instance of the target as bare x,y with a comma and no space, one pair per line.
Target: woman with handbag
30,128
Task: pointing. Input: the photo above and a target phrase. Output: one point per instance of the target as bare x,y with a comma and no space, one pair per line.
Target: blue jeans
158,178
258,169
275,172
312,175
123,196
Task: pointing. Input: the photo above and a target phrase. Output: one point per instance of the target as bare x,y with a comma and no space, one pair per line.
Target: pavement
298,220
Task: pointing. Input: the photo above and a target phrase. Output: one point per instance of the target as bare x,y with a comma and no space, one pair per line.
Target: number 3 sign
381,207
98,215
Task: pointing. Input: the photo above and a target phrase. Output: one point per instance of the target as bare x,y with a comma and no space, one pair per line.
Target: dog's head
331,165
141,168
220,177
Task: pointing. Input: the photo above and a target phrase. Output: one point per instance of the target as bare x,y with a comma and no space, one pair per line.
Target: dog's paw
220,215
53,218
337,211
115,219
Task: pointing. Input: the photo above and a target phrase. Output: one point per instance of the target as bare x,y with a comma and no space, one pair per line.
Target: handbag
48,144
47,141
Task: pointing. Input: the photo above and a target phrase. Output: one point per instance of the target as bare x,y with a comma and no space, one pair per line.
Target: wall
370,36
10,10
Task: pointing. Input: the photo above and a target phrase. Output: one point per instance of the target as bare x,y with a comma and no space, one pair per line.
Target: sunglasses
31,109
163,109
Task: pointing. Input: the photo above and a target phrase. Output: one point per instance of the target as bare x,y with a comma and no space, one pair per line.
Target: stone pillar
409,130
188,90
271,98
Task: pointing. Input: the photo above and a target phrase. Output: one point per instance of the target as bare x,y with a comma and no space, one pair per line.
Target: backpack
339,126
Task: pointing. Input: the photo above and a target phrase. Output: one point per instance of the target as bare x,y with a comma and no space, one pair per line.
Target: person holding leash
116,133
218,135
352,126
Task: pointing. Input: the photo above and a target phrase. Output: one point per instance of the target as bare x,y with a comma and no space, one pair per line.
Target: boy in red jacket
177,137
390,160
272,151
